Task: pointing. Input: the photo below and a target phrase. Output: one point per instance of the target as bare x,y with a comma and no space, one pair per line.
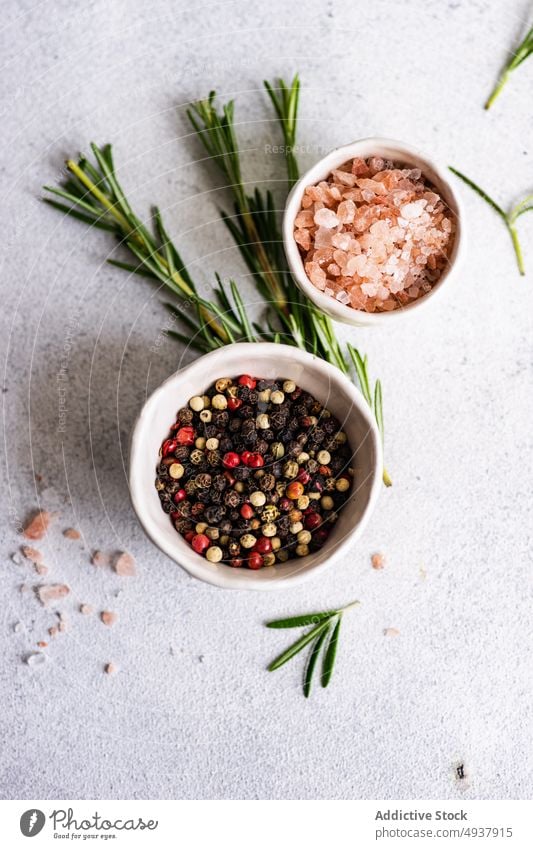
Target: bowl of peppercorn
255,466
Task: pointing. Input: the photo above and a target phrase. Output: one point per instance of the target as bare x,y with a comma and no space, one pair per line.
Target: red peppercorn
303,476
245,456
200,542
234,404
246,380
263,545
247,511
185,436
306,421
255,461
325,470
231,459
236,562
284,504
312,521
255,560
169,446
189,536
294,490
180,495
175,515
229,477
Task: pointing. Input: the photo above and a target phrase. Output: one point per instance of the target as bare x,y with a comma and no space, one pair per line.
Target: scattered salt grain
38,525
98,558
62,623
110,668
52,632
18,627
16,558
108,618
71,533
124,564
51,592
378,561
36,658
391,632
42,644
86,609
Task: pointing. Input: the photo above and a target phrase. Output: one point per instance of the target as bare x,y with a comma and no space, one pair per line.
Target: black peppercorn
241,473
214,514
197,509
232,498
183,526
219,482
181,453
221,419
185,415
203,481
213,458
267,482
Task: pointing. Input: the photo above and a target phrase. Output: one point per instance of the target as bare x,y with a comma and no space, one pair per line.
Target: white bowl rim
319,171
190,561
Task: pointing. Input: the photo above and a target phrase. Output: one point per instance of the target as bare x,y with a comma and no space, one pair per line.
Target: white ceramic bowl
388,149
267,360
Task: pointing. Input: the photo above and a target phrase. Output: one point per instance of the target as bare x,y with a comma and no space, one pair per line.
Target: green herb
374,398
509,218
325,632
255,230
519,55
93,195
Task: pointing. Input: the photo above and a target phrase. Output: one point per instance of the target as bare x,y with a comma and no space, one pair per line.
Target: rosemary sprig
255,229
94,195
509,218
324,635
519,55
285,102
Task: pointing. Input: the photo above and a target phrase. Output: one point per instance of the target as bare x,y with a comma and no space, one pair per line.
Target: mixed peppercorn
254,472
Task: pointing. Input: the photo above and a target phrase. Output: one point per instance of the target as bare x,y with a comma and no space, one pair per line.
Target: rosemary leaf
330,655
301,621
296,647
509,218
519,55
311,663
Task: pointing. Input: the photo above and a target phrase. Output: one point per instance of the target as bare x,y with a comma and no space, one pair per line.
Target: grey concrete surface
191,712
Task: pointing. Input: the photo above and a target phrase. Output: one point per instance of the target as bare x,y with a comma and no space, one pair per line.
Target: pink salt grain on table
375,235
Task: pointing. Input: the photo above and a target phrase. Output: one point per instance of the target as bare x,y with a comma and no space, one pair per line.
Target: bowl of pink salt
373,231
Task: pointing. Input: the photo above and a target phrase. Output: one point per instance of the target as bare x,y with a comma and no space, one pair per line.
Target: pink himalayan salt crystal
38,525
99,558
52,592
374,235
378,561
325,218
32,554
108,617
124,564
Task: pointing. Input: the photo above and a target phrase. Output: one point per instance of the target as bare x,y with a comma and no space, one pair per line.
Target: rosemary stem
497,89
100,196
268,271
517,248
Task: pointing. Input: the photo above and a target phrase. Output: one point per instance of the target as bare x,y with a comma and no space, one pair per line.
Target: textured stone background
192,712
